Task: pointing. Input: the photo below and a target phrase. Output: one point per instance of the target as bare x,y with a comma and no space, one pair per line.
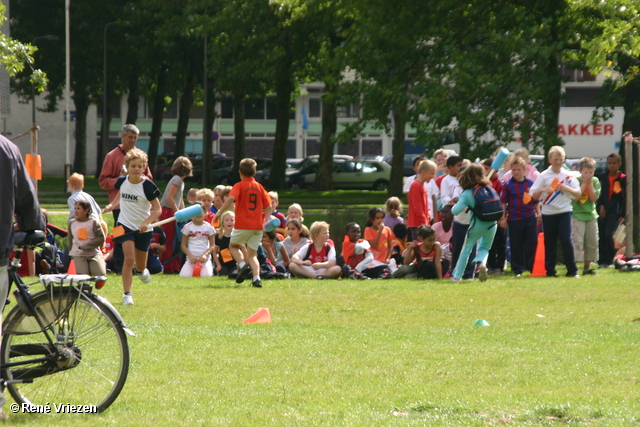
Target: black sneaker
243,273
590,273
257,283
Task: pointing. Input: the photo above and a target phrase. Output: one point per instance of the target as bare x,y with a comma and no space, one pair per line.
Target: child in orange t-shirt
358,257
379,237
250,199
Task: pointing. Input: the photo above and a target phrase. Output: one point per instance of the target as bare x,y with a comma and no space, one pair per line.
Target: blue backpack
488,204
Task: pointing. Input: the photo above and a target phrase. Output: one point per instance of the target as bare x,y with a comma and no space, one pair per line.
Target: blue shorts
142,240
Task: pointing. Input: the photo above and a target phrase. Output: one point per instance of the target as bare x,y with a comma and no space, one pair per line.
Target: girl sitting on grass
225,264
423,257
379,237
298,236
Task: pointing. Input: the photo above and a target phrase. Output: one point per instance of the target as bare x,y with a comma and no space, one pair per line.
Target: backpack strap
306,257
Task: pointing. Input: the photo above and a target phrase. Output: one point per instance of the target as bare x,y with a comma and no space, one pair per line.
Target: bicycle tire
97,365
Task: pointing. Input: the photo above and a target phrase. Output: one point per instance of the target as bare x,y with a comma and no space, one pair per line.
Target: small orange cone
196,269
72,268
260,316
538,261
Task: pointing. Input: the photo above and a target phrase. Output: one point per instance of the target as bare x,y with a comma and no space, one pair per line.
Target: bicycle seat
29,238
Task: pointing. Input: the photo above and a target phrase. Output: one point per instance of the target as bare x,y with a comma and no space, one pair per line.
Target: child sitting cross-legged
423,257
316,260
358,258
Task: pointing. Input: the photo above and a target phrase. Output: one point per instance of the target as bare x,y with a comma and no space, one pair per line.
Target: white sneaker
145,277
127,300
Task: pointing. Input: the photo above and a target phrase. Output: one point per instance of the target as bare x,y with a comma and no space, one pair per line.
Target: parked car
359,175
601,165
225,175
217,163
165,161
295,178
262,176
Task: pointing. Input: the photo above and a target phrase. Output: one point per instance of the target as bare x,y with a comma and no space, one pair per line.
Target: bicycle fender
115,313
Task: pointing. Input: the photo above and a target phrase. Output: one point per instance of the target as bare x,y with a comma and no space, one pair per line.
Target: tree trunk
397,164
186,102
239,150
104,147
158,115
82,106
324,176
207,132
284,88
133,99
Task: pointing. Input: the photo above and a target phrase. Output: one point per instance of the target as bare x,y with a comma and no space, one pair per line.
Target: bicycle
63,345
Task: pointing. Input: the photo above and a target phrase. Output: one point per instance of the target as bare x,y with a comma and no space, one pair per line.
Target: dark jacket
617,205
18,196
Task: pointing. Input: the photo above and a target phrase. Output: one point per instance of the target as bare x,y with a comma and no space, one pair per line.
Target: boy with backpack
317,259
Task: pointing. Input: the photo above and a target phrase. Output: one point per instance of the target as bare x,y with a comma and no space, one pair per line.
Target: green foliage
14,55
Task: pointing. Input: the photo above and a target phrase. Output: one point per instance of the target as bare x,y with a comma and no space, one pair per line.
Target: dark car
165,161
262,176
407,165
226,176
217,163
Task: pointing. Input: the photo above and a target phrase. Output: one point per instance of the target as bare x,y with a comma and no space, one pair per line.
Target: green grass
379,352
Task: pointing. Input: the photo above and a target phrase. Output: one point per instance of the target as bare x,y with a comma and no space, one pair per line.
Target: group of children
578,211
445,234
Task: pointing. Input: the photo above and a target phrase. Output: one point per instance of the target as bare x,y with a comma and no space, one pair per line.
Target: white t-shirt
198,235
557,202
135,200
448,184
463,217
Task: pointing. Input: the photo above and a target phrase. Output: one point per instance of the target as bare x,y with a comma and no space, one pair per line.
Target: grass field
379,352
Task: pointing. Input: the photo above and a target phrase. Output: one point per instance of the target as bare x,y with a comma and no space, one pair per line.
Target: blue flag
305,119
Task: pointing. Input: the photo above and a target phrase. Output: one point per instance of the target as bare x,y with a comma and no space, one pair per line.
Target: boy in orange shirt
250,199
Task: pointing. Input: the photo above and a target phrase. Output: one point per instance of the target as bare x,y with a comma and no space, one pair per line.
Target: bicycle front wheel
77,355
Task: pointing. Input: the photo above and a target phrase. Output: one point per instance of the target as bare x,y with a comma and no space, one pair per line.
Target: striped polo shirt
512,195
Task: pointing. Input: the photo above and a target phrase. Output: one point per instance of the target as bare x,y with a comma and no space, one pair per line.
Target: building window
254,109
315,108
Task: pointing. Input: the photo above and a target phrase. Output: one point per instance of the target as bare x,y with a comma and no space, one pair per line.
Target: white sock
242,264
255,278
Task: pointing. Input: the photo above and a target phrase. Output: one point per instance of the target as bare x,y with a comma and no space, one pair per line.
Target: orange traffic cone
538,261
260,316
72,268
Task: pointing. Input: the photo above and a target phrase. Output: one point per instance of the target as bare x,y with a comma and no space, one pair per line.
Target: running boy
250,199
137,198
559,188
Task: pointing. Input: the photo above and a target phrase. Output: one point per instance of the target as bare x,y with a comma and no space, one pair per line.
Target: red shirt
250,198
418,206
